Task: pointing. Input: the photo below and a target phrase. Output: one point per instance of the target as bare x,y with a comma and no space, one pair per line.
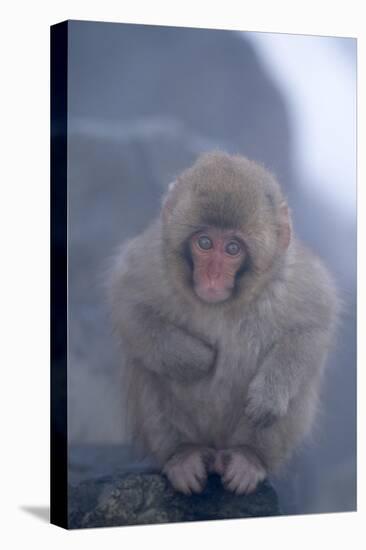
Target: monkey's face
225,227
217,256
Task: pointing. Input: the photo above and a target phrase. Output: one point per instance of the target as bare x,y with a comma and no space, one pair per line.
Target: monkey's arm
164,348
292,361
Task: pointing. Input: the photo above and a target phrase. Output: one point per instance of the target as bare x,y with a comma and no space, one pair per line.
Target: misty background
143,102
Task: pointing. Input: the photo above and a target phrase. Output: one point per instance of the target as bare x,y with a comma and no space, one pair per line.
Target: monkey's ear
284,232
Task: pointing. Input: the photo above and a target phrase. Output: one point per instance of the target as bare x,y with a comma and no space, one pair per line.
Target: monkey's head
226,228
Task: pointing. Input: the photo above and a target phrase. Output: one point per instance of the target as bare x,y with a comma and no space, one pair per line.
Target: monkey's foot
240,469
187,469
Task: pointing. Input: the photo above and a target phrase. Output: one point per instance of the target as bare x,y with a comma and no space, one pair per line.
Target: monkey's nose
214,275
214,271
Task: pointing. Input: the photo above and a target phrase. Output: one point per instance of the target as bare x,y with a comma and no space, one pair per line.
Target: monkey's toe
243,471
187,471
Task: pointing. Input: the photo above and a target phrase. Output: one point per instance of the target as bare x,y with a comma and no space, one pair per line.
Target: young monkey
225,321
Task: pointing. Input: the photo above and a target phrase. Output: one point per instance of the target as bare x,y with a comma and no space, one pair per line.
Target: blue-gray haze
143,102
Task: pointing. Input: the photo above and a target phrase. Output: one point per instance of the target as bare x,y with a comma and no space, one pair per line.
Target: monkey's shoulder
137,271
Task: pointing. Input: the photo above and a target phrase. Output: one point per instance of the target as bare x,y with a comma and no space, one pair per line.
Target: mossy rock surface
135,499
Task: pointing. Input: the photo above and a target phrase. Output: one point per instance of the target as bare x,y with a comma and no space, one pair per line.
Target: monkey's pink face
217,257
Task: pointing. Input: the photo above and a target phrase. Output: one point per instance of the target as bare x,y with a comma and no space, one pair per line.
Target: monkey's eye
232,248
204,242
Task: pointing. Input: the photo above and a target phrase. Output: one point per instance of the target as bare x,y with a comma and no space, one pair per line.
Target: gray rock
135,499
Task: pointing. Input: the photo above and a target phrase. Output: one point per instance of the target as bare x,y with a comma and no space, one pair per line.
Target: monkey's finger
194,484
244,486
197,478
183,487
193,476
228,478
199,470
234,482
230,472
180,486
232,486
241,490
178,481
201,476
252,486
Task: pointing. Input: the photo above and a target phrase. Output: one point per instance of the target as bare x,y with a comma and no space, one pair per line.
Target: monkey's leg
187,468
153,425
240,468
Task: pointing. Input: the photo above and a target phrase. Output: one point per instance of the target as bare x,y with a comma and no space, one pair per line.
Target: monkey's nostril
214,273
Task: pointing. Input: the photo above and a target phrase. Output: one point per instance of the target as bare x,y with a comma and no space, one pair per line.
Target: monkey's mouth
212,295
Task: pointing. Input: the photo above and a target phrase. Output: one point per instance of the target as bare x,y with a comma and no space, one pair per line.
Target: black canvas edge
59,329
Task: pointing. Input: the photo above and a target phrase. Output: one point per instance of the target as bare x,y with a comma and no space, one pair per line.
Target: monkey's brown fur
230,387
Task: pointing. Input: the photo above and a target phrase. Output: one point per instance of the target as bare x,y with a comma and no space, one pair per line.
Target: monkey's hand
185,358
240,469
266,402
165,348
187,468
291,362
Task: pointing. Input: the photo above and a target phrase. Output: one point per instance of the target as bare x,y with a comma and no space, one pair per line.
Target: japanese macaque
225,321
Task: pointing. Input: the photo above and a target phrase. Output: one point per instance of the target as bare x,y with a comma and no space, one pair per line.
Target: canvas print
203,188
